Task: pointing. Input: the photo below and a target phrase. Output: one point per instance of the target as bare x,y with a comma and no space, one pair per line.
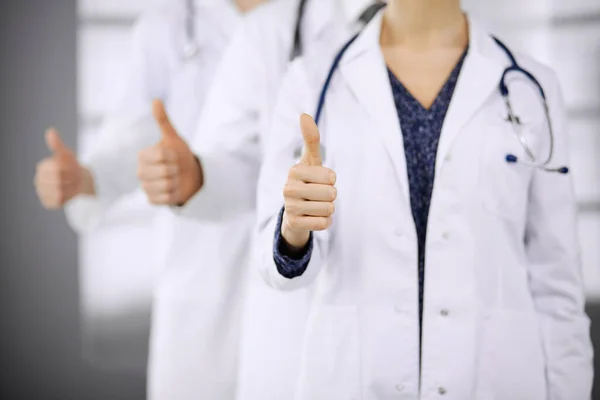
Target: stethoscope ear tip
511,158
563,170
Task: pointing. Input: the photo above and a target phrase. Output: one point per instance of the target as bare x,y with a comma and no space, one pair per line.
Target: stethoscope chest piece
190,50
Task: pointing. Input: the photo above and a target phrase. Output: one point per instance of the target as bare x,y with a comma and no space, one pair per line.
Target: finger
157,155
53,197
162,199
54,142
303,223
309,208
311,174
309,191
164,123
151,172
312,141
56,175
159,187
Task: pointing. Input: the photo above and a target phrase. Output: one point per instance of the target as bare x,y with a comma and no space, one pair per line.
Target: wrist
295,240
195,180
87,182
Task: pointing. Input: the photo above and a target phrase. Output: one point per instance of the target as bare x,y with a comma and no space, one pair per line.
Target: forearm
227,187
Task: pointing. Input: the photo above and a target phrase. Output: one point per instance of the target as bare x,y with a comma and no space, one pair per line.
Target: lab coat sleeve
227,138
295,97
556,281
128,128
113,164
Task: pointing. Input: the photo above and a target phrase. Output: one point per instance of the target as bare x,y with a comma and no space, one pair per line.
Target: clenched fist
60,177
169,172
309,192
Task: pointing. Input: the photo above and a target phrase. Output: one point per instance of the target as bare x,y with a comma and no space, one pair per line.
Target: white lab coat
231,133
503,310
199,266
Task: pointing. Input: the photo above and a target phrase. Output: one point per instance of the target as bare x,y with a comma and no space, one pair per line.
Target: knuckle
332,194
289,190
330,209
332,177
292,208
293,172
321,224
292,221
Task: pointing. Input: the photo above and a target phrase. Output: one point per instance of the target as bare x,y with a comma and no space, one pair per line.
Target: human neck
424,23
247,5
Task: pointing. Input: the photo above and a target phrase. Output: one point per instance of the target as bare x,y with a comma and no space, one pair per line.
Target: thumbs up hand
309,192
169,172
60,177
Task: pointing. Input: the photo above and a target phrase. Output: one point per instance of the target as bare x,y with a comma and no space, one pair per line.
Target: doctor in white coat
498,311
199,284
229,140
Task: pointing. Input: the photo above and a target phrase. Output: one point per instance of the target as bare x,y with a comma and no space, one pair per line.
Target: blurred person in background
228,144
196,306
441,243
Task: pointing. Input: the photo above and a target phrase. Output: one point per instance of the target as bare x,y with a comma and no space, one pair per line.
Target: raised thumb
54,142
312,141
162,119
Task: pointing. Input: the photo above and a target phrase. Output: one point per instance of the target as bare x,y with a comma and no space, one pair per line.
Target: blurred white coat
229,141
199,266
503,313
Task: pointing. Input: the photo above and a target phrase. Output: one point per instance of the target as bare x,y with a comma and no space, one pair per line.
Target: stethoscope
504,91
191,49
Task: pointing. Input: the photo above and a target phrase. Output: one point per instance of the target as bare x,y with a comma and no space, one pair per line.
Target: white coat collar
478,79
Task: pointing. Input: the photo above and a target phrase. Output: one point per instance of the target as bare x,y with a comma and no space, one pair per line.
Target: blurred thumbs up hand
169,172
60,177
309,192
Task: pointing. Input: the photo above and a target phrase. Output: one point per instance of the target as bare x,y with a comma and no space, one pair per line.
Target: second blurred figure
209,186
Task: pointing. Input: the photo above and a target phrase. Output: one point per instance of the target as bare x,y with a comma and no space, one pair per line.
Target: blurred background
74,311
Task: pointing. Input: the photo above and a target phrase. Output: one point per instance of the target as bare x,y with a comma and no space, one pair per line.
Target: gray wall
40,336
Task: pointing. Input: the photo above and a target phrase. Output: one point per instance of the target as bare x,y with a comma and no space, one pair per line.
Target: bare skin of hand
169,172
309,192
60,177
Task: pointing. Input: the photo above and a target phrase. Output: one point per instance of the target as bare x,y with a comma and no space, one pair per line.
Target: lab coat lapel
317,19
364,59
478,79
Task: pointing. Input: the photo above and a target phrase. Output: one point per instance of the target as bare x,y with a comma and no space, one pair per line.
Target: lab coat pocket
512,363
503,186
330,365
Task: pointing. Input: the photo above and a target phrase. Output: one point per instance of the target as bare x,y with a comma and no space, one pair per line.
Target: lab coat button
441,390
444,313
445,235
448,158
398,232
399,387
398,309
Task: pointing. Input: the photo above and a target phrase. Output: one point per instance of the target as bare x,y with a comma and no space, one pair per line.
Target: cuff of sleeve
216,199
83,213
290,266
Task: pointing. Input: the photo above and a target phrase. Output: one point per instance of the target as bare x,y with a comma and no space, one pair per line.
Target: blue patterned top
421,129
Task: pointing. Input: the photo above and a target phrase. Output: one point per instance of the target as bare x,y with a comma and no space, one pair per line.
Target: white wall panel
118,8
103,53
584,149
575,57
589,236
